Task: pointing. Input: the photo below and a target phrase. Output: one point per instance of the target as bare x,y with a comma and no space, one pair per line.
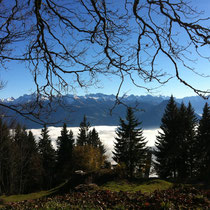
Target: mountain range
96,107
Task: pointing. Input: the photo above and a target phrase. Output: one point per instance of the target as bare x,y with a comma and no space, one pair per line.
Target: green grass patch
21,197
122,185
144,187
31,196
111,196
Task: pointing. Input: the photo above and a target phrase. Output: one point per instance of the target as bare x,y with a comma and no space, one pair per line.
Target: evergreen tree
18,153
5,158
167,143
21,158
34,167
26,164
83,135
47,154
32,142
148,164
204,144
182,142
176,145
65,144
191,141
129,147
95,141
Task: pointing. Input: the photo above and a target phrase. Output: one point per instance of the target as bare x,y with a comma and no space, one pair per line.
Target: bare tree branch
71,43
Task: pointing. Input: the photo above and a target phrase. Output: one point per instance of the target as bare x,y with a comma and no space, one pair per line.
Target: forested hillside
182,151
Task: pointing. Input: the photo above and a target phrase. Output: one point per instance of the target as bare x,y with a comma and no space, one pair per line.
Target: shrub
104,175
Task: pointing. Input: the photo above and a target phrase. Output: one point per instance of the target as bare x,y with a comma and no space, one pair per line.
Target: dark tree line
20,163
183,150
27,165
89,152
89,137
203,136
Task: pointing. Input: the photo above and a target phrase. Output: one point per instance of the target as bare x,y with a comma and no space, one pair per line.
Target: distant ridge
97,109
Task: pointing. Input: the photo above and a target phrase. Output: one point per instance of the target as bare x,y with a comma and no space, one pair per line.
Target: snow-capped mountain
20,100
96,107
98,96
7,100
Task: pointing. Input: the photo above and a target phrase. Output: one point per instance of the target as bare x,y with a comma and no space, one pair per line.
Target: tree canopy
177,147
83,135
130,145
167,142
203,145
48,157
65,145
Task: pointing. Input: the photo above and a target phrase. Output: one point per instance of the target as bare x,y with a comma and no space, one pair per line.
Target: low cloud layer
106,134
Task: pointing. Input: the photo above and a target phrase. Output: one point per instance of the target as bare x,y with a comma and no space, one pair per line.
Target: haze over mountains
97,107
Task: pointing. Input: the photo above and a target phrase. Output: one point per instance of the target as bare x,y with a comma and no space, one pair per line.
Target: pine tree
26,164
182,143
148,164
47,154
129,147
5,158
203,147
83,137
166,142
21,158
95,141
19,161
191,141
65,144
34,167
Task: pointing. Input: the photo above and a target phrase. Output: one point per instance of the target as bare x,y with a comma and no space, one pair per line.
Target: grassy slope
145,187
17,198
30,196
122,185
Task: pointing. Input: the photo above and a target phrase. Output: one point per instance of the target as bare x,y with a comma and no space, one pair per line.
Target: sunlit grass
95,199
31,196
121,185
21,197
144,187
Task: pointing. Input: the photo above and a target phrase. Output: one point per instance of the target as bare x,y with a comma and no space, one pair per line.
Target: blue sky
20,81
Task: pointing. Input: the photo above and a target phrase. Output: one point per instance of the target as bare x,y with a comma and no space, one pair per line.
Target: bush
104,175
86,187
120,171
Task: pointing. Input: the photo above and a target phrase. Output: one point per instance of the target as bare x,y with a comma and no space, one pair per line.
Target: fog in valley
106,134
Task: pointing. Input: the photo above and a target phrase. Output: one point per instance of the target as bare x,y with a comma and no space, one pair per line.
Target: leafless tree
70,43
